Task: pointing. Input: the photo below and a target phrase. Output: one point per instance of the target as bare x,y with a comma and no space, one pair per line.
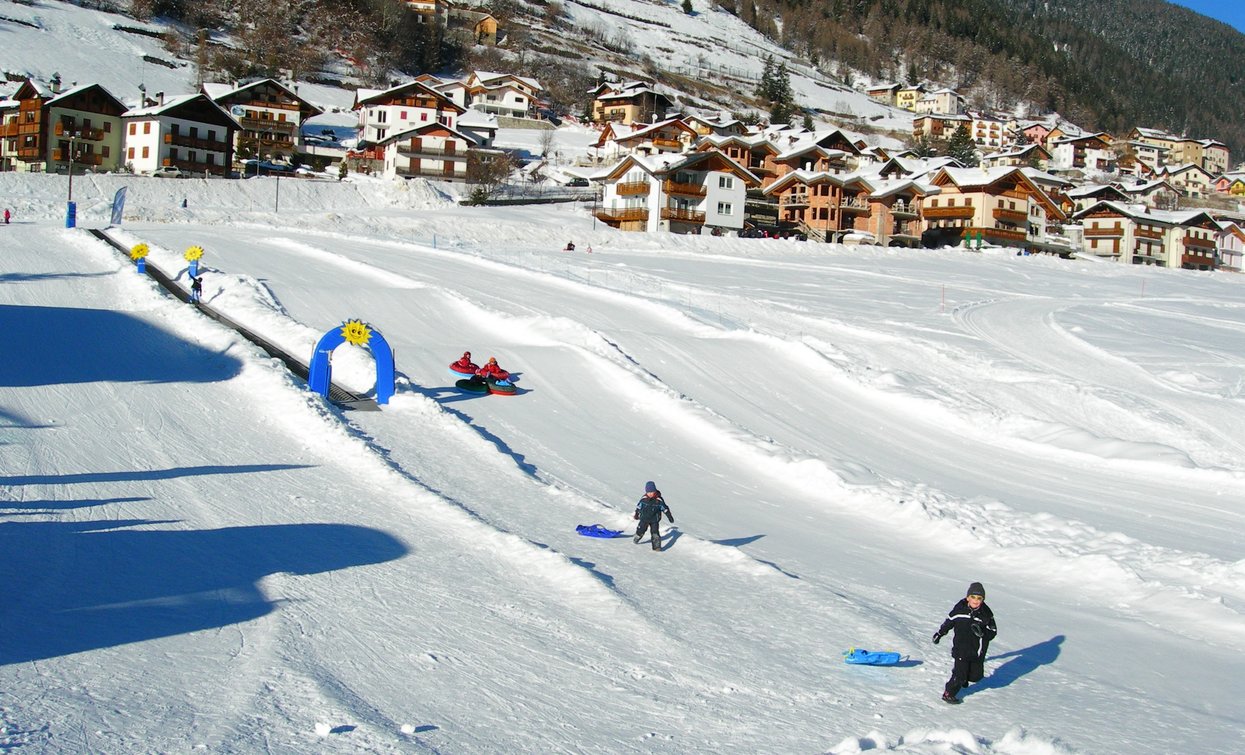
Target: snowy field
201,555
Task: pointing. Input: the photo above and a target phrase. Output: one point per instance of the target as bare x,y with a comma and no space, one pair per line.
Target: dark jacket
649,510
973,630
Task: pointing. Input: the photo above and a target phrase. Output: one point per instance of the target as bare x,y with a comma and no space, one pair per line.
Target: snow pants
964,671
652,528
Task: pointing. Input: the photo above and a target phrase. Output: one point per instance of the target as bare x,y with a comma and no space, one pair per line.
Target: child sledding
490,378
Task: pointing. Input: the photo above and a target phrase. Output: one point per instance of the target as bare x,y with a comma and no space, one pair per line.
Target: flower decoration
138,251
193,253
356,332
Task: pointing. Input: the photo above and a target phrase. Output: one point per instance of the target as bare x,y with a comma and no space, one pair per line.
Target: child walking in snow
648,511
973,623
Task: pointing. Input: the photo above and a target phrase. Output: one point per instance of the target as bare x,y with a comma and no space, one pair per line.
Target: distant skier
492,371
196,290
6,216
570,246
973,622
648,511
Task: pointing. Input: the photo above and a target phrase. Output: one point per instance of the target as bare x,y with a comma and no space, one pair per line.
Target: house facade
1143,236
47,129
1230,246
998,205
1090,152
271,117
692,193
832,207
190,132
628,102
401,108
503,93
433,150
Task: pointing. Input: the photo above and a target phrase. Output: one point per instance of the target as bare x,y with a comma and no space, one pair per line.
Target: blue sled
596,530
866,658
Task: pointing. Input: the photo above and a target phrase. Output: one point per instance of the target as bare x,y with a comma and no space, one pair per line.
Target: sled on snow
596,530
860,657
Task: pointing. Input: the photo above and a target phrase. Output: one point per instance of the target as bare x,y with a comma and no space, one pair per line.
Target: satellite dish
238,110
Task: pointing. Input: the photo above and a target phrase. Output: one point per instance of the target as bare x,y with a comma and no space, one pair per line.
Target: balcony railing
998,233
632,188
668,143
89,134
260,124
854,205
793,200
1198,260
683,189
82,158
1194,243
437,152
181,140
445,173
683,216
939,213
904,209
1010,216
622,214
1114,230
1143,234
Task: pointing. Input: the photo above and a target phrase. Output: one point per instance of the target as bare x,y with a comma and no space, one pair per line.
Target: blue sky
1231,12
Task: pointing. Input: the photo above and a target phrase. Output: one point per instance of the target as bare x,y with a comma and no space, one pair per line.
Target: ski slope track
208,556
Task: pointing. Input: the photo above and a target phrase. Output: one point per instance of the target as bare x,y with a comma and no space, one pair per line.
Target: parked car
169,171
577,182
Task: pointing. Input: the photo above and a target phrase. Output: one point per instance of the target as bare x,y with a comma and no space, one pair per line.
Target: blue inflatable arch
321,370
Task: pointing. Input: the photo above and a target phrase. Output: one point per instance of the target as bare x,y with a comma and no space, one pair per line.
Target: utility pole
71,210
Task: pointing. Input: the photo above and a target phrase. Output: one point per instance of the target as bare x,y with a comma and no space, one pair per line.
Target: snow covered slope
200,553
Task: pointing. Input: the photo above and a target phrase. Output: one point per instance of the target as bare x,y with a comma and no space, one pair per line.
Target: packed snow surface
201,554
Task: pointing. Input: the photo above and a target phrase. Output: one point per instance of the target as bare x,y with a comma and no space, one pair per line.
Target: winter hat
976,589
650,487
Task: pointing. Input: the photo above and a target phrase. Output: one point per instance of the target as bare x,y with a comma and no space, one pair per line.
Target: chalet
433,150
670,136
941,101
629,102
938,126
997,205
503,93
1144,236
1230,183
1090,153
401,108
721,126
907,97
1156,193
1189,179
1033,155
1230,245
695,192
884,93
1208,154
271,115
754,152
47,129
990,133
479,126
829,207
1084,197
190,132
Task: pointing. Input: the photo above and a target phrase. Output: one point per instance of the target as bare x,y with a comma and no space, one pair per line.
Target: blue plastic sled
596,530
867,658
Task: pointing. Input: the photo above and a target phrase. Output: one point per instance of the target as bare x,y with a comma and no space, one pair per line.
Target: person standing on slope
973,623
196,290
648,511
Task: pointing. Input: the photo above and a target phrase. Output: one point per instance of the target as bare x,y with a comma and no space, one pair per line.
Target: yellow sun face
356,332
138,251
193,253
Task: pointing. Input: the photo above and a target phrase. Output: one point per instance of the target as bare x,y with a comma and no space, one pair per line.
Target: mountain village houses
1043,185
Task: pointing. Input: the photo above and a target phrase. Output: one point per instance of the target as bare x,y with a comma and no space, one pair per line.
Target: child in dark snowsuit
648,511
973,622
196,290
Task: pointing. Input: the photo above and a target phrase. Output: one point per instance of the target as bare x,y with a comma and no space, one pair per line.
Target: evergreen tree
962,148
687,7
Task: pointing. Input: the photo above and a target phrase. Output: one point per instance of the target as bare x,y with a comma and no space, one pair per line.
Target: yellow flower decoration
193,253
356,332
138,251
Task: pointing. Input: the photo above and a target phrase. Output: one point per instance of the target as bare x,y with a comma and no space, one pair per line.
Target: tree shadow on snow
1020,663
62,345
78,586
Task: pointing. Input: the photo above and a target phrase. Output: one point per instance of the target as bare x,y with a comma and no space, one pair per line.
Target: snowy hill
202,555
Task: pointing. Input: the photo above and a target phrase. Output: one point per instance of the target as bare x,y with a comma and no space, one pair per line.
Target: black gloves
937,637
636,515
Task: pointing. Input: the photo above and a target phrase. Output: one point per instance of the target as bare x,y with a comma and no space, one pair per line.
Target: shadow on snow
1020,663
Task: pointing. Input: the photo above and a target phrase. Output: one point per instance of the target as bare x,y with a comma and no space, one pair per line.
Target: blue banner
118,205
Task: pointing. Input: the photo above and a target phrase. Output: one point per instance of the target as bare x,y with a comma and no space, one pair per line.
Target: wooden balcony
1144,234
9,130
622,214
1206,246
260,124
683,189
668,143
181,140
89,134
1114,230
1198,260
82,158
793,200
1000,234
966,212
855,206
682,216
438,153
1016,217
905,210
632,188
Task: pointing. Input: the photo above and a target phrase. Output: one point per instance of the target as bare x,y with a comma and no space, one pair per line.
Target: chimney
160,99
55,82
142,95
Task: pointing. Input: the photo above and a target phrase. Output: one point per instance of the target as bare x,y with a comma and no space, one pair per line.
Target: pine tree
687,7
962,148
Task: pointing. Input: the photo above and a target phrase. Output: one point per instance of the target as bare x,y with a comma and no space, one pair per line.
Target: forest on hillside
1107,65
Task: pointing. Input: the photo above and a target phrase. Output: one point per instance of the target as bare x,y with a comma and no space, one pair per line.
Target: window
724,208
147,127
423,116
726,182
403,115
146,152
130,153
106,151
194,132
381,116
107,127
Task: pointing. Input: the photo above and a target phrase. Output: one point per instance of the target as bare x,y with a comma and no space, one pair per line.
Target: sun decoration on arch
193,253
356,332
138,251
